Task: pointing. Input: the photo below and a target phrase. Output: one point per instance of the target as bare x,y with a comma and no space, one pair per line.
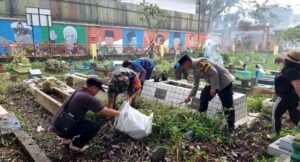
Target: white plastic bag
133,123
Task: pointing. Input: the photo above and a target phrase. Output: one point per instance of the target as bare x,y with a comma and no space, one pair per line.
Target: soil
249,144
10,149
56,97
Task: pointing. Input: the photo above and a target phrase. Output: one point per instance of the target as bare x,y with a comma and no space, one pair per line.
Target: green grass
251,59
254,103
173,123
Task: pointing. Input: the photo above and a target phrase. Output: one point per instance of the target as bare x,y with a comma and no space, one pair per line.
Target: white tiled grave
281,146
173,95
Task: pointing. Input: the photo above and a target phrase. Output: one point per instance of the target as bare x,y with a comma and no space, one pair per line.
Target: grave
78,80
22,65
35,73
173,93
116,64
282,146
10,124
53,65
51,97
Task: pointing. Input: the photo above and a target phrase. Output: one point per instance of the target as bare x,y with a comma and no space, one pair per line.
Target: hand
187,100
260,90
280,58
129,100
212,92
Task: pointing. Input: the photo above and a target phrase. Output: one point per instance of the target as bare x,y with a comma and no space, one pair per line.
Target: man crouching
70,122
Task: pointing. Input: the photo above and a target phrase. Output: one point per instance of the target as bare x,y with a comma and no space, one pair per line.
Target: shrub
254,103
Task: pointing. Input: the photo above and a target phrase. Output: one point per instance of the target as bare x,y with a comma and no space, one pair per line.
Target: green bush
251,59
254,103
173,123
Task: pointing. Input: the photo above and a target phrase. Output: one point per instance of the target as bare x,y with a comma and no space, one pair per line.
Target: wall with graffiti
17,32
176,42
158,38
109,40
69,35
133,41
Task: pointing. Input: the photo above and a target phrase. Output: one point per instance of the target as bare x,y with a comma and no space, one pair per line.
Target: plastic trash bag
133,123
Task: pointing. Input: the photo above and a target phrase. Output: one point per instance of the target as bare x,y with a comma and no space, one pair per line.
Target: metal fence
46,50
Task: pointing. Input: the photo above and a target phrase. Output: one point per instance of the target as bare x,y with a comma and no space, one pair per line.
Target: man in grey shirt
219,82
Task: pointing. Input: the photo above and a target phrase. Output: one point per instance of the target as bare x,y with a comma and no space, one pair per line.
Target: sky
188,6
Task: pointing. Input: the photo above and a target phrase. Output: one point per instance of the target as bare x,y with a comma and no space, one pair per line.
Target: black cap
94,81
126,63
183,59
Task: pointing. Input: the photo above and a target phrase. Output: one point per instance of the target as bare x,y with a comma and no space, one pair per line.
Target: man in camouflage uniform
122,80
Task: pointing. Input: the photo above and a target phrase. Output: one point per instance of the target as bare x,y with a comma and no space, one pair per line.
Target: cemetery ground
172,129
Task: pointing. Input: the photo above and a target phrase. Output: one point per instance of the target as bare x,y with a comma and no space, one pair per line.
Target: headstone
35,73
160,94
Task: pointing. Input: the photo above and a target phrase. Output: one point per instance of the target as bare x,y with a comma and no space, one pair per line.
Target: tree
153,17
223,15
289,38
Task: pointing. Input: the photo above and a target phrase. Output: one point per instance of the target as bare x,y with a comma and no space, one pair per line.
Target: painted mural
159,38
17,33
68,35
133,41
176,42
202,39
191,40
110,40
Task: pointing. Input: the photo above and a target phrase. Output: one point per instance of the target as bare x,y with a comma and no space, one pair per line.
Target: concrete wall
109,40
103,12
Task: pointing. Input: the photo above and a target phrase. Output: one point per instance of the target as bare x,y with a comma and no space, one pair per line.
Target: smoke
212,46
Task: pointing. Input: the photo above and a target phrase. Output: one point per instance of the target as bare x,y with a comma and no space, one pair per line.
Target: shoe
231,132
78,149
65,141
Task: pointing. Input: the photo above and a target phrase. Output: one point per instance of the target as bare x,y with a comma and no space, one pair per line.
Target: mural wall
109,40
176,42
69,35
133,40
17,32
159,38
191,40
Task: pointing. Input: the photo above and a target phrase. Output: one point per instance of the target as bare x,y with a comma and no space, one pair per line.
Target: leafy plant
172,123
289,38
254,103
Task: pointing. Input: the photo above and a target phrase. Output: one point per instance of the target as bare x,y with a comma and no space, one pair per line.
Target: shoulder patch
204,65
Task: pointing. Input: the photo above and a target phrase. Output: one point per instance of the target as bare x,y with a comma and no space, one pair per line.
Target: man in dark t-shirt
78,104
